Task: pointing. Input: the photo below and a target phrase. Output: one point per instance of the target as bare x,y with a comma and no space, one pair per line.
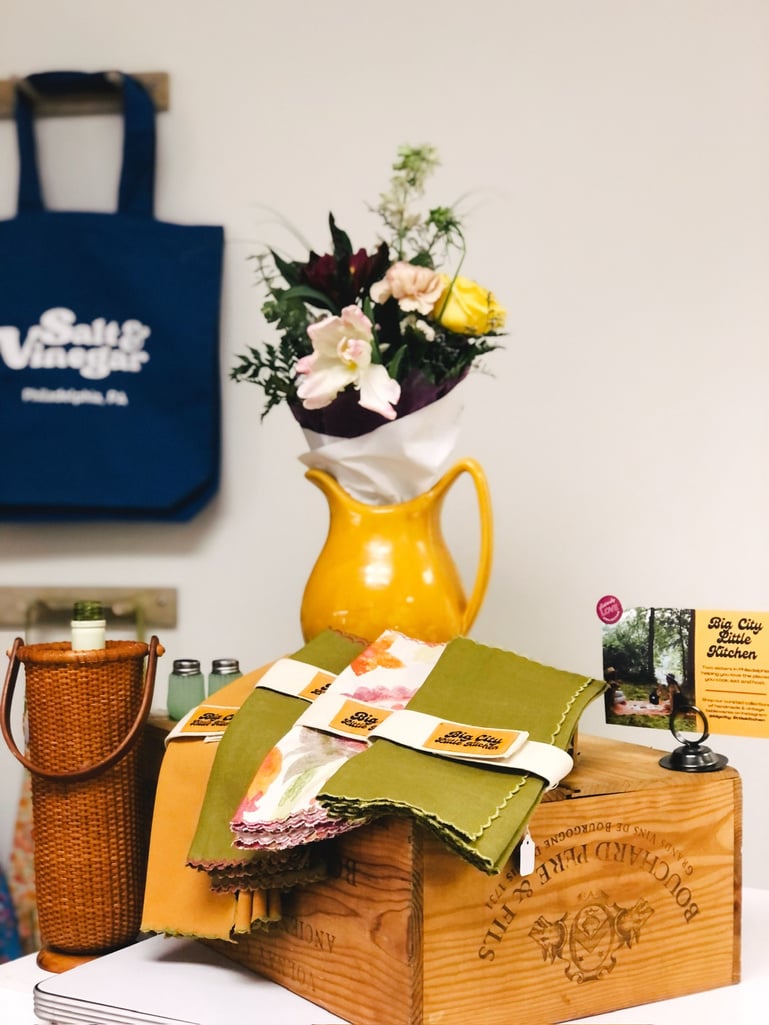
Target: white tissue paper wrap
397,461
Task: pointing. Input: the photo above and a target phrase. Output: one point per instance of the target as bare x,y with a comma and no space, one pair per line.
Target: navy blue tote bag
109,344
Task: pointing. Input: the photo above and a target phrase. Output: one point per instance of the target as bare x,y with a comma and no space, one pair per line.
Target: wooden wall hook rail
74,104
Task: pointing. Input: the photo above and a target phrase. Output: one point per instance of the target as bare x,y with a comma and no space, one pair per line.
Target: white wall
620,156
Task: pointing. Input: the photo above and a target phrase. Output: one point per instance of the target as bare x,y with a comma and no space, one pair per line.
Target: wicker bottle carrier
85,715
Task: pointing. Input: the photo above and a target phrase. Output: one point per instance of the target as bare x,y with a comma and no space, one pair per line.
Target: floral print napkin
264,717
280,809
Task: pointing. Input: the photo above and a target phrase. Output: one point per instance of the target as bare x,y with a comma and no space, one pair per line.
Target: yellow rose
468,309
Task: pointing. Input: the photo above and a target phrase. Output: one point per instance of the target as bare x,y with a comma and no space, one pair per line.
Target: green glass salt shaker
186,687
223,671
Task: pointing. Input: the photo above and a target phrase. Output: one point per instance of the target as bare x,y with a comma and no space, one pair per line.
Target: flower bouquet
372,344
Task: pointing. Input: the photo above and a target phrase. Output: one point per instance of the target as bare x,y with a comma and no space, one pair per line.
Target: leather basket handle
90,771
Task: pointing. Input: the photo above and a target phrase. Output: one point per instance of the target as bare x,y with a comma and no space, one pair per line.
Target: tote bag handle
137,176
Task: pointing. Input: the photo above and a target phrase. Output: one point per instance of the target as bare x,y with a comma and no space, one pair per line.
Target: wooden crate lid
606,766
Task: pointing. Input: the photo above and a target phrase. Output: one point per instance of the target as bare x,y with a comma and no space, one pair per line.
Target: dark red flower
343,276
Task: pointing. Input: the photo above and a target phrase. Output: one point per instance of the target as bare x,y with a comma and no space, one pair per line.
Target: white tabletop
743,1004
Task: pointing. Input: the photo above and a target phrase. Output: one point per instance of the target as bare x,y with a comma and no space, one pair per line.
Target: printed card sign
731,663
661,660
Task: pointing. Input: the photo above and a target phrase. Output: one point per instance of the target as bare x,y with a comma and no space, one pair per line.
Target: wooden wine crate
635,897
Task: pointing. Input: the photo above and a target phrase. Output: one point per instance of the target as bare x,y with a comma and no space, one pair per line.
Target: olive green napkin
480,812
264,717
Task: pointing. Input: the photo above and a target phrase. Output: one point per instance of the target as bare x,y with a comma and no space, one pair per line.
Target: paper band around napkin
296,679
501,748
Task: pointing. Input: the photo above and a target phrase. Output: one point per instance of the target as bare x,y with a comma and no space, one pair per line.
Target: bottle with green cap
88,626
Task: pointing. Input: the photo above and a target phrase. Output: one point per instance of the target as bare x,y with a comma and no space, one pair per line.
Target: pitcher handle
474,469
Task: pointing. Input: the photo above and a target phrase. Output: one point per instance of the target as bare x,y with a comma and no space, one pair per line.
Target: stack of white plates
164,981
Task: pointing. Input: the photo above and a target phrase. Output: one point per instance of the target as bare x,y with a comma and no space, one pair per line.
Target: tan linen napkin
179,899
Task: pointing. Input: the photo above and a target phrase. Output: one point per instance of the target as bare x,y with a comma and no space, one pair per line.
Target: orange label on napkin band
206,721
452,738
318,685
356,719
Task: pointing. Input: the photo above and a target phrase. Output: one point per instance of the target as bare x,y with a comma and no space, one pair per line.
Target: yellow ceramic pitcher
387,566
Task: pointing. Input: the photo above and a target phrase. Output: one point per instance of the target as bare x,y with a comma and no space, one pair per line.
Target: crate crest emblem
589,941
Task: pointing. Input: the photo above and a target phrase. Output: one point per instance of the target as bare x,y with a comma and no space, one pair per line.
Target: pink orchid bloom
342,356
416,289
